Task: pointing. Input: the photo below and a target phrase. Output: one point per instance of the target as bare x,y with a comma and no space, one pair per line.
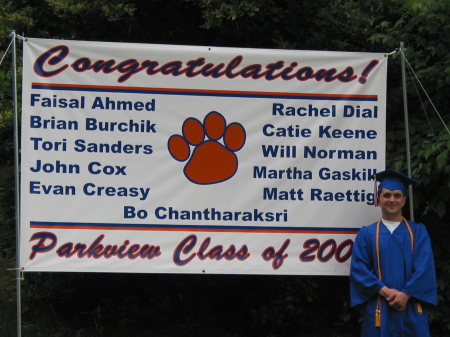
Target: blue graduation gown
410,272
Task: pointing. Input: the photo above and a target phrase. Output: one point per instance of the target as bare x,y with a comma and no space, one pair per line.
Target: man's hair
380,189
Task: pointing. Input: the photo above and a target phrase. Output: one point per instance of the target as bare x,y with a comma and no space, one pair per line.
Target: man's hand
398,301
387,292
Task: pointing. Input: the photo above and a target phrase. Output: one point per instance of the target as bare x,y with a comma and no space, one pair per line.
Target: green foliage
217,12
61,18
7,191
424,26
290,24
7,299
183,305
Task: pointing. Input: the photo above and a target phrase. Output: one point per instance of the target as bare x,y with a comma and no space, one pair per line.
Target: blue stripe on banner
190,228
201,92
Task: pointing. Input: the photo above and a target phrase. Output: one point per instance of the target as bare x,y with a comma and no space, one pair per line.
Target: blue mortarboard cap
393,180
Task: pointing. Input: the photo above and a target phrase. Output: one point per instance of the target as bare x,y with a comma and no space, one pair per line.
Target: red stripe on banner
62,86
198,229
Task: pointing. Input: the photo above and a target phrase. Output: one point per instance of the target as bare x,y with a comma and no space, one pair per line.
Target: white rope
393,52
21,37
411,71
6,51
437,112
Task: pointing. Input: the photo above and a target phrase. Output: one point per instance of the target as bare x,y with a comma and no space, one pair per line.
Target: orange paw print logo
211,162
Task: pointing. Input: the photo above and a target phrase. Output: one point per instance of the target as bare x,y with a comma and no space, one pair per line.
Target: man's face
391,203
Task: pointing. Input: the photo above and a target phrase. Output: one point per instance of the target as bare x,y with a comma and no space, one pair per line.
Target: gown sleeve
364,283
422,284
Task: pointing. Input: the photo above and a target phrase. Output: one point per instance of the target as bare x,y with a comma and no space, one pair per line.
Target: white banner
180,159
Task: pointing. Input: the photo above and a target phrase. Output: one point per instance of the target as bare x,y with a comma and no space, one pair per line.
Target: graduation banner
187,159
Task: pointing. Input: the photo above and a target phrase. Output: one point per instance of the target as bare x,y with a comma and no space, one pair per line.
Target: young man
392,271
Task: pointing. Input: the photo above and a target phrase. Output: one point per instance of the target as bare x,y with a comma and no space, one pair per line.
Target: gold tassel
377,318
419,308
